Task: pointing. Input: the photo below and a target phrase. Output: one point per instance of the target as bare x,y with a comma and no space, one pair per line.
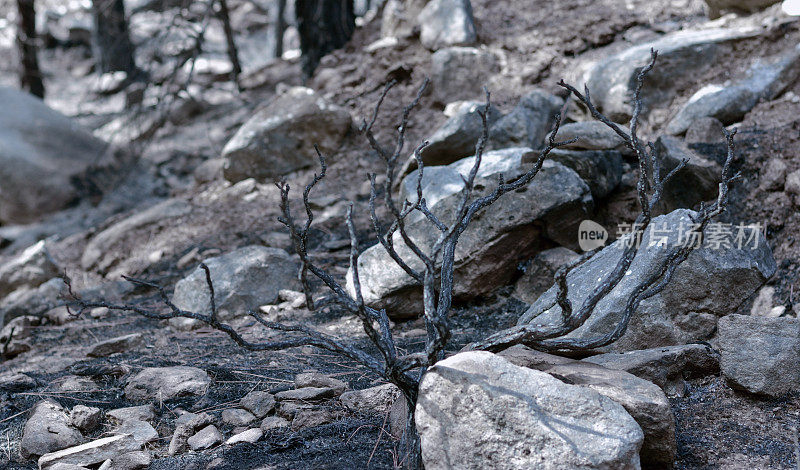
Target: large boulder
611,81
643,400
42,155
713,281
550,207
281,137
48,429
477,410
243,280
445,23
459,73
730,103
760,355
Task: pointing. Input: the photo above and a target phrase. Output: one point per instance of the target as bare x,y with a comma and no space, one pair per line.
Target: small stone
85,418
258,403
140,431
237,417
376,399
98,313
315,379
132,413
116,345
306,394
74,383
773,175
273,422
792,184
206,438
251,435
311,418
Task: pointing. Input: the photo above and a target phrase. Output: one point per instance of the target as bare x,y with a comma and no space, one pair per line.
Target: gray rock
311,418
31,268
764,304
550,206
666,367
399,18
445,23
456,138
712,282
243,279
698,181
528,123
251,435
19,328
476,410
773,175
705,130
730,103
273,422
716,7
459,73
138,460
611,80
48,429
163,383
186,426
600,169
538,277
643,400
116,345
44,153
374,399
12,382
315,379
99,253
591,135
237,417
32,301
140,431
85,418
258,403
792,184
132,413
280,138
760,355
92,452
306,394
206,438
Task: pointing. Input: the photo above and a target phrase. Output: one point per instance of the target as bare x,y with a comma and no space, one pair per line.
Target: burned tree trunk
113,49
30,77
280,28
324,25
233,51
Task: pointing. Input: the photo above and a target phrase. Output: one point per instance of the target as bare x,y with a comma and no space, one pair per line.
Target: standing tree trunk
280,28
233,52
113,49
324,25
30,77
